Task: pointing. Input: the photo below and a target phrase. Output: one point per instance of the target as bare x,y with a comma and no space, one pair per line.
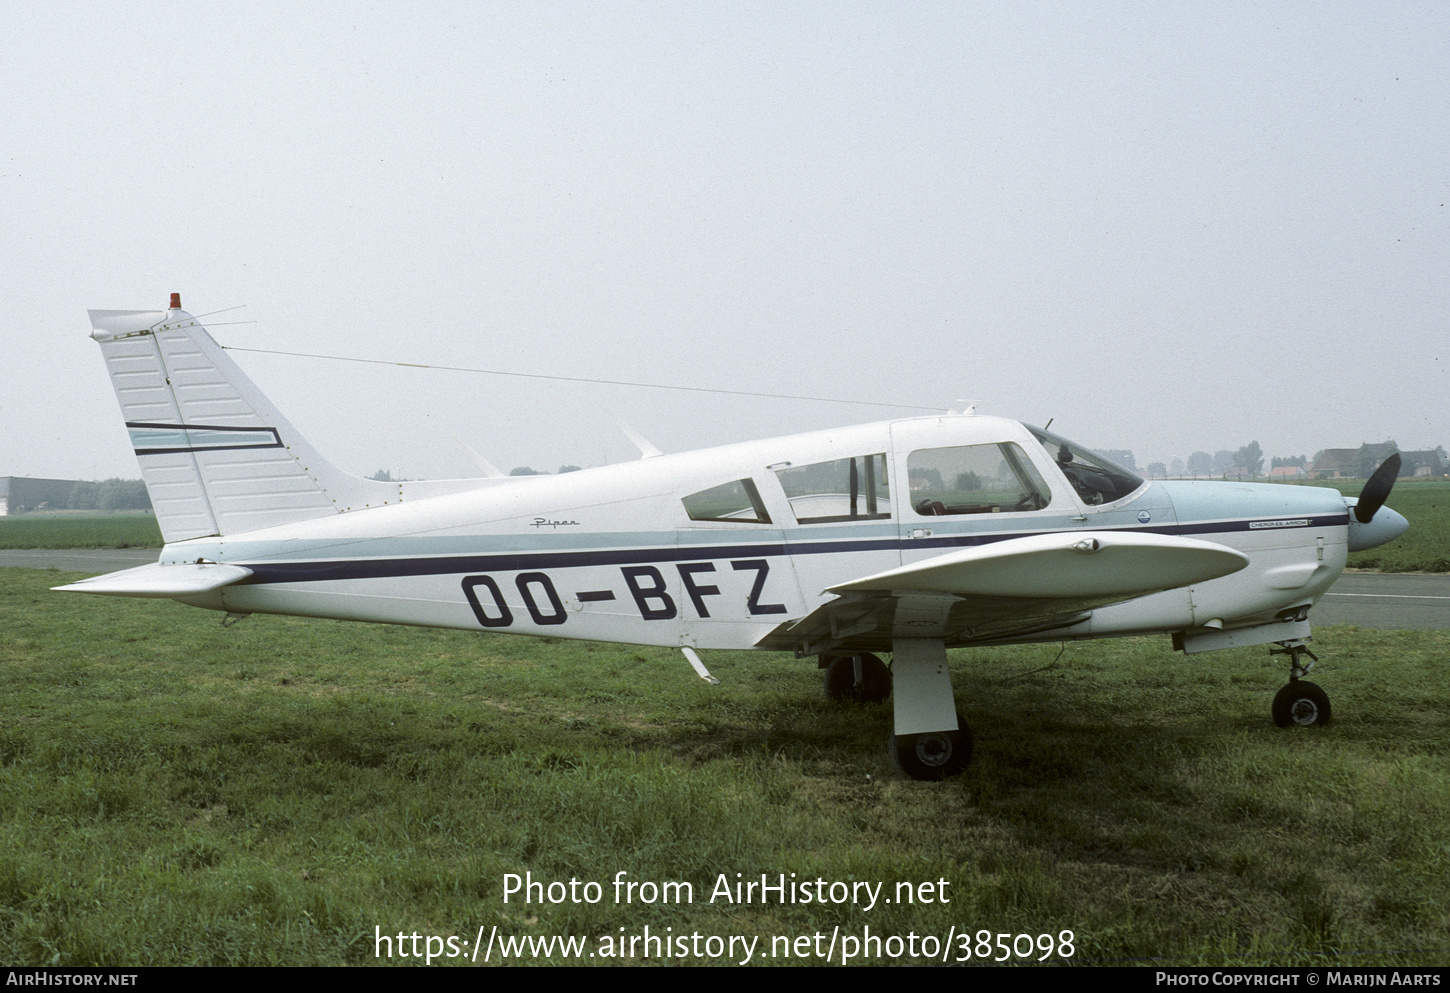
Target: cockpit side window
1095,478
975,479
844,490
736,502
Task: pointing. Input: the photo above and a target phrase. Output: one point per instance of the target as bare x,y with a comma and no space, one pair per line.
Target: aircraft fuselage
612,554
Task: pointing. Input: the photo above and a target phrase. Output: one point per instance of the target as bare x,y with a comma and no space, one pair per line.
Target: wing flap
161,581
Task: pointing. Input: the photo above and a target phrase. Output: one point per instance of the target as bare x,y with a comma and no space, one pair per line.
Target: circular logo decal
1144,517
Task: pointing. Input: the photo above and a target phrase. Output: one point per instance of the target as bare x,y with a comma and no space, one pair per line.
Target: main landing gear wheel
1301,704
860,678
933,754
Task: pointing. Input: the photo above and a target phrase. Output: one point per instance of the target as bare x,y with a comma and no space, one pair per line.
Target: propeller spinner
1372,523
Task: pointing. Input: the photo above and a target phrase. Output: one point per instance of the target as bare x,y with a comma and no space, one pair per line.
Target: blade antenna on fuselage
489,469
646,450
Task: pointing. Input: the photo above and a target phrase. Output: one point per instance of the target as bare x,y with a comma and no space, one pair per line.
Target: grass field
78,529
1423,548
284,791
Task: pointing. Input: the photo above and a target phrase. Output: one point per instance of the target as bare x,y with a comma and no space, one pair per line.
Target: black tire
934,754
1301,704
841,684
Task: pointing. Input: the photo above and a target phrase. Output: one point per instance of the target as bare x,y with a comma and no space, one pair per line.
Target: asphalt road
1366,599
96,560
1386,600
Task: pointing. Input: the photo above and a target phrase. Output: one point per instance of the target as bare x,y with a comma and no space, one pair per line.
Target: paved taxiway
1367,599
77,559
1386,600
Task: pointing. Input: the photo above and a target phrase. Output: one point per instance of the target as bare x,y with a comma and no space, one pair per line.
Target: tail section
216,456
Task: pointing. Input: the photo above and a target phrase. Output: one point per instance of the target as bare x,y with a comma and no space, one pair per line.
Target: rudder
216,456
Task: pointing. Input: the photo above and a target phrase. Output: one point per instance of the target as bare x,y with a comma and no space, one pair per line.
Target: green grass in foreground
176,792
80,530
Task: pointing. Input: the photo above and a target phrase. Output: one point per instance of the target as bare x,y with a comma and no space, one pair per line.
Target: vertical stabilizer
216,456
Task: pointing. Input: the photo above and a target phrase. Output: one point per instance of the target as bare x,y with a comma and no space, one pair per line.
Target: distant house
1359,463
1430,463
1335,463
20,493
1370,456
1237,472
1288,472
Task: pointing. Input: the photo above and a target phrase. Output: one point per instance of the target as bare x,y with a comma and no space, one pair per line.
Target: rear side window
975,479
844,490
737,502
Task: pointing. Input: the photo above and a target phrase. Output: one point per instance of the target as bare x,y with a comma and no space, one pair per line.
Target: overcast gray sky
1168,226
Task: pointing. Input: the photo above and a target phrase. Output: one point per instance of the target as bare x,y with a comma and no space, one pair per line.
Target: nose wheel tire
932,754
1301,704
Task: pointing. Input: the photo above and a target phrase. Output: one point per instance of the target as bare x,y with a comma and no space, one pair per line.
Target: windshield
1096,479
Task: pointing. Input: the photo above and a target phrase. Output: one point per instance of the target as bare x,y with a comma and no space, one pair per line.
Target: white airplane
907,536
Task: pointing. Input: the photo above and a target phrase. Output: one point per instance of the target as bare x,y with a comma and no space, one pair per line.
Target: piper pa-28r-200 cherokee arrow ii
906,536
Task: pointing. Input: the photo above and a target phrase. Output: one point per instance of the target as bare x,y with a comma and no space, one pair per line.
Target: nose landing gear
1300,703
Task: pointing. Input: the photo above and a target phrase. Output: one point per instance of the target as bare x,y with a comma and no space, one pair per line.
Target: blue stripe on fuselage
265,572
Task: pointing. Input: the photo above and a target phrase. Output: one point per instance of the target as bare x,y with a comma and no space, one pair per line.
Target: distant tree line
386,476
524,470
109,494
1248,462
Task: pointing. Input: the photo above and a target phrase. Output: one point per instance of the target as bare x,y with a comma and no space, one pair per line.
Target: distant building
1335,463
1287,472
1431,463
1358,463
1370,455
19,494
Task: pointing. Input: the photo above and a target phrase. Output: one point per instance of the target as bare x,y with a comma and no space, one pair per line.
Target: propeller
1377,490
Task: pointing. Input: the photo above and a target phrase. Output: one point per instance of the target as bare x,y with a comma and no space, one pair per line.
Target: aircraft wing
157,580
1008,588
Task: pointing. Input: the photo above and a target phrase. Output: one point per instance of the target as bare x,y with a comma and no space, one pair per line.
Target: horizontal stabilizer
161,581
1063,565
